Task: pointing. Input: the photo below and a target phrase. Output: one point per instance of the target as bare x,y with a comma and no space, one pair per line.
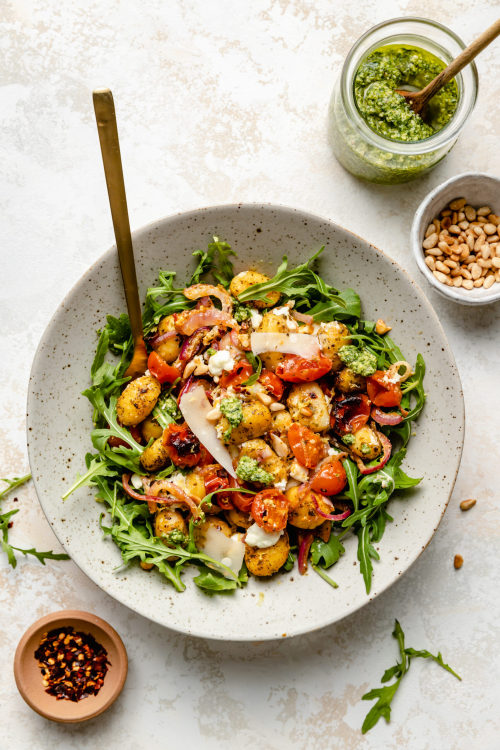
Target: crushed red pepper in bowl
73,664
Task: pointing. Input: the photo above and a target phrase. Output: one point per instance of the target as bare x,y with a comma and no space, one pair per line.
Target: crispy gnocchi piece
308,406
243,280
151,429
272,463
256,421
168,520
366,444
169,349
137,400
266,562
331,337
272,323
239,519
155,457
348,381
303,513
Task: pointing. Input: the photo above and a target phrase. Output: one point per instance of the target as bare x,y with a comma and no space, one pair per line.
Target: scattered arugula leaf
5,521
256,363
384,695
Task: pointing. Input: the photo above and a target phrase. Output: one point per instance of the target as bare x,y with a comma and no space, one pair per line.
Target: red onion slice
179,496
192,344
330,516
198,291
304,548
157,340
303,317
386,417
386,445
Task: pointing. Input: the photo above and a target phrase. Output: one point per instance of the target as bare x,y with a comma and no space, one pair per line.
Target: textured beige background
221,101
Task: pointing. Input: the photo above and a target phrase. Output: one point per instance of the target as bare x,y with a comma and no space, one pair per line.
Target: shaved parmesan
195,407
303,344
229,551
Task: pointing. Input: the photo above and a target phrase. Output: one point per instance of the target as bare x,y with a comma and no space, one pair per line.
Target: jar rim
442,137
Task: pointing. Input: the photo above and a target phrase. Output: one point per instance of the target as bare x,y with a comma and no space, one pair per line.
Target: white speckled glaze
480,190
59,420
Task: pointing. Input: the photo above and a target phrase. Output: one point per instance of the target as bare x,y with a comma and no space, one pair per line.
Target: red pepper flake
73,664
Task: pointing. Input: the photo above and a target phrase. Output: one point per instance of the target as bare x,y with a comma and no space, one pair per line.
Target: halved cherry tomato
272,383
296,369
182,446
350,413
330,478
307,447
382,391
162,371
240,372
270,510
115,442
240,500
217,480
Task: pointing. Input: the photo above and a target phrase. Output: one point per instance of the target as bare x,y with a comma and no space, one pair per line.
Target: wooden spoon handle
463,59
104,109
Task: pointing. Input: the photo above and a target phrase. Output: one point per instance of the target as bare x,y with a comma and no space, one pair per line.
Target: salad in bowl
271,422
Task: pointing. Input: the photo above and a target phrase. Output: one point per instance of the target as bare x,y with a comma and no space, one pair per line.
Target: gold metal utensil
419,99
104,109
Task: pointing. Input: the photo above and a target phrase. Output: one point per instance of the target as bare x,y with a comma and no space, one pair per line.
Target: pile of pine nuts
462,246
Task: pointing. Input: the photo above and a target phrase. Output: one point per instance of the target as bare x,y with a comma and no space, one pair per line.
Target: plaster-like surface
218,102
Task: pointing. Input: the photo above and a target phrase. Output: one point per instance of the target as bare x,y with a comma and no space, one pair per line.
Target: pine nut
450,263
483,211
214,414
446,222
489,281
454,229
495,262
441,267
492,238
465,273
485,251
475,270
457,281
433,251
467,284
440,276
467,504
463,224
477,230
430,263
276,407
430,241
458,561
494,219
457,204
430,230
490,228
470,213
479,282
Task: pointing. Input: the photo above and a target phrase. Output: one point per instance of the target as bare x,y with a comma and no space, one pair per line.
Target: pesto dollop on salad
272,422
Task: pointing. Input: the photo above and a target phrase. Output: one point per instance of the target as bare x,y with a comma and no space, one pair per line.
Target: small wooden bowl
29,678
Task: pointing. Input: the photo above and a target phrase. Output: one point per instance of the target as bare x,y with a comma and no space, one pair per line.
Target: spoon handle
104,109
463,59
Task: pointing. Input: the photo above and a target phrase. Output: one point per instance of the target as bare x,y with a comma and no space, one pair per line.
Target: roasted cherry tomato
382,391
216,479
115,442
307,447
330,478
270,510
349,414
240,372
272,383
296,369
182,446
161,370
240,500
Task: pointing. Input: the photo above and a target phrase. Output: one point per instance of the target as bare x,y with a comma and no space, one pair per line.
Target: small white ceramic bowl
479,190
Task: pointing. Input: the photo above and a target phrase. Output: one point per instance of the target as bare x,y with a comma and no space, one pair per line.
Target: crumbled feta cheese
220,361
291,324
298,472
257,537
281,310
333,451
136,481
281,485
255,318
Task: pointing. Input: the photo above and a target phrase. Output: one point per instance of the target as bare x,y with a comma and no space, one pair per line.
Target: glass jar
370,156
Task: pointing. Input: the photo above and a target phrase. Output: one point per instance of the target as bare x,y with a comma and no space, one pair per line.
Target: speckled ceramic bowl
59,420
480,190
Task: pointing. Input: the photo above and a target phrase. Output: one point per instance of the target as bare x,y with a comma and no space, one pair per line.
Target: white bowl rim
291,632
457,295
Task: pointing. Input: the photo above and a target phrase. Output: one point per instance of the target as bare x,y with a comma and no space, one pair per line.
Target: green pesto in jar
388,114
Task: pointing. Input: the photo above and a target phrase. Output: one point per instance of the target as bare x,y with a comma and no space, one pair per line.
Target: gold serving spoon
419,99
104,109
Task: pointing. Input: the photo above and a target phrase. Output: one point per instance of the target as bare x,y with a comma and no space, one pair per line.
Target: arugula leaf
290,562
308,290
384,695
351,471
96,466
256,363
5,521
325,576
326,554
223,268
212,582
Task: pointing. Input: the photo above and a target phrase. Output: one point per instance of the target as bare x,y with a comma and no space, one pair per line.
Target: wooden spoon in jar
104,109
419,99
